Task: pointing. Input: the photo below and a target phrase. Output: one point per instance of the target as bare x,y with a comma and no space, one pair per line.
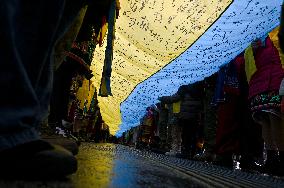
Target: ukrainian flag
163,44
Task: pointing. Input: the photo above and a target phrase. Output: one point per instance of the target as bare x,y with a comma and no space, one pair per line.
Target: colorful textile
219,94
235,74
269,73
228,129
105,89
265,101
176,107
249,63
161,45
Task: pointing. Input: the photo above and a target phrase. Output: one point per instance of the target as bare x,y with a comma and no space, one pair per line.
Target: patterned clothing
265,101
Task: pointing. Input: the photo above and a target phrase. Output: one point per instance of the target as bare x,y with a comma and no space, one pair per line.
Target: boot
66,143
37,160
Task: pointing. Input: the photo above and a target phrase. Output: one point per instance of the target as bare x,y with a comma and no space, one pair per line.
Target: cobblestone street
109,165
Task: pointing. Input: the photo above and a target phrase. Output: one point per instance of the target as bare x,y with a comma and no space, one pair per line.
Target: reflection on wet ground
109,165
95,165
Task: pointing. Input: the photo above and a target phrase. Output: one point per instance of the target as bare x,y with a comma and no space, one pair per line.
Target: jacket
191,100
269,72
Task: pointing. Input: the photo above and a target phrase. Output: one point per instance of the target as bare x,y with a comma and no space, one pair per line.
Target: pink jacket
269,73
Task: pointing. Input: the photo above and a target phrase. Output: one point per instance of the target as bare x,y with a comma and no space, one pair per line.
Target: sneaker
66,143
37,160
65,140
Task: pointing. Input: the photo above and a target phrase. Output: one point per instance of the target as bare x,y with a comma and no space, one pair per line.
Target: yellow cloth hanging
249,63
149,35
176,107
103,88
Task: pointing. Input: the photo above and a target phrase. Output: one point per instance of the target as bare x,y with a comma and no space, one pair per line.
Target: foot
66,143
37,160
273,168
205,156
224,160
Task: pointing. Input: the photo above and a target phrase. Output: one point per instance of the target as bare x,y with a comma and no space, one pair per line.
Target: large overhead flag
163,44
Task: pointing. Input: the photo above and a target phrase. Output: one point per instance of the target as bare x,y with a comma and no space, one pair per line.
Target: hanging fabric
249,63
105,89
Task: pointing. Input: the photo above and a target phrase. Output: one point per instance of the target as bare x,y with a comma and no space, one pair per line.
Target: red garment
71,114
269,73
229,127
240,66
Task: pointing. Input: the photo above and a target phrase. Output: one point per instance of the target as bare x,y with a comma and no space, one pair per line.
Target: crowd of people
235,114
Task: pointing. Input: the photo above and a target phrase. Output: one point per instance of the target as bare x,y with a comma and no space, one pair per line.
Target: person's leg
179,138
277,131
252,145
210,129
264,121
175,139
272,159
60,96
268,137
228,131
28,33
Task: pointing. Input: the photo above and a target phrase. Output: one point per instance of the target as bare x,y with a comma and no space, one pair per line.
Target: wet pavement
109,165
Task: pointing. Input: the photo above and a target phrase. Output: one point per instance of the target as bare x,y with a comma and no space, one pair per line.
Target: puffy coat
269,73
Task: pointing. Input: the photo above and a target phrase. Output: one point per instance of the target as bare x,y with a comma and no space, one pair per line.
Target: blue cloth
28,33
219,95
231,79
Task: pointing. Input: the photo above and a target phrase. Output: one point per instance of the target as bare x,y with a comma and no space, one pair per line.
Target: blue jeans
28,33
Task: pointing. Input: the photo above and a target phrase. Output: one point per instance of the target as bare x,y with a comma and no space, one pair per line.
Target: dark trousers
28,33
190,134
